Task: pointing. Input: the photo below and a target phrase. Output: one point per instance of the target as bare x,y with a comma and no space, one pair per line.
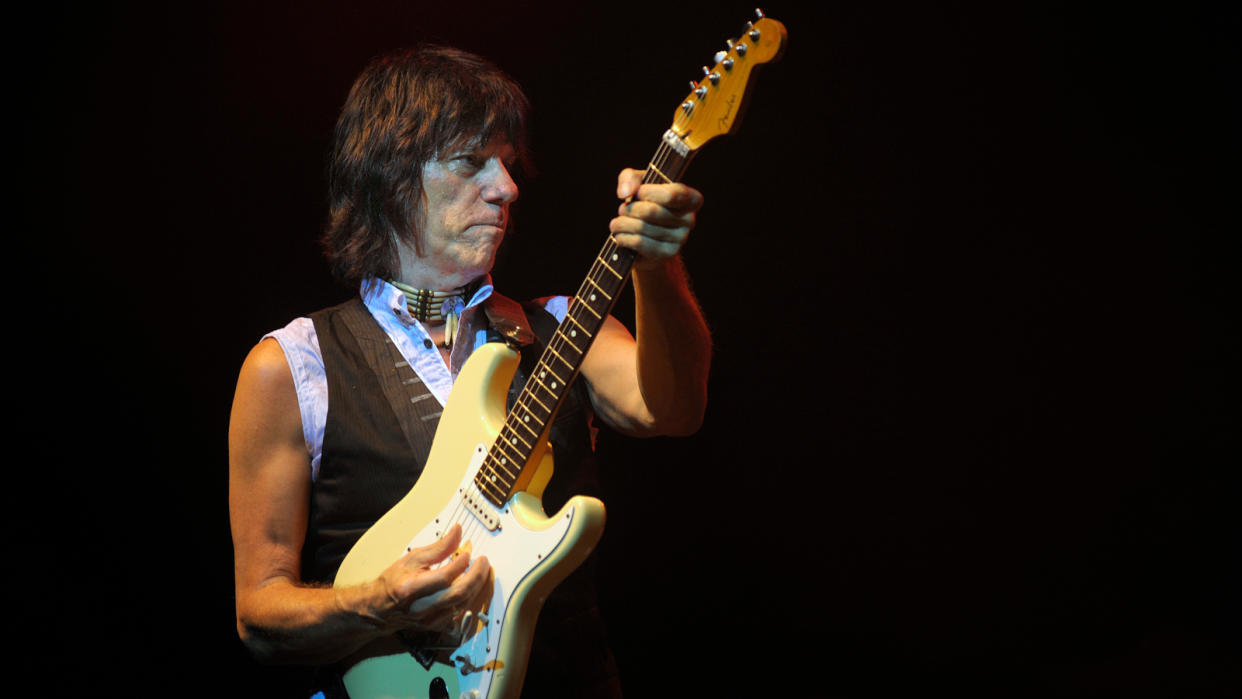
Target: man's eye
473,162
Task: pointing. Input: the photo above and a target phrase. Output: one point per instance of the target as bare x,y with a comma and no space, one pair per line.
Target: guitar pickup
481,508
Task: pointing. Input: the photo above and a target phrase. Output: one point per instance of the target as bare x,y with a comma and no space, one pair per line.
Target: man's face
465,210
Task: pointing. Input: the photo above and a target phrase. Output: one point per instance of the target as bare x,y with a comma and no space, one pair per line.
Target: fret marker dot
553,384
573,333
614,257
592,297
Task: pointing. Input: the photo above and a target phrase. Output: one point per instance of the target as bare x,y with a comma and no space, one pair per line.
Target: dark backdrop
967,266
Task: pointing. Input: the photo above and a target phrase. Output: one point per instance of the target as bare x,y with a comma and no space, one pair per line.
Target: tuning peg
758,13
729,43
720,56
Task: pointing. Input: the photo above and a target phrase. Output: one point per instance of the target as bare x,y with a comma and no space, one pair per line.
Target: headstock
715,103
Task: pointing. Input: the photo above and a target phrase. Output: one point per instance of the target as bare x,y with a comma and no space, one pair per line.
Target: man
421,188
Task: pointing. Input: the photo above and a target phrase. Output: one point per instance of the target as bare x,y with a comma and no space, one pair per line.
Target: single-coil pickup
482,509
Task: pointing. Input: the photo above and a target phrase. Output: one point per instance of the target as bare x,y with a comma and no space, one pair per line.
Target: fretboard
527,422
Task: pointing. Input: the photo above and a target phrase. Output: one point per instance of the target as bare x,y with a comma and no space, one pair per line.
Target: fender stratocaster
487,469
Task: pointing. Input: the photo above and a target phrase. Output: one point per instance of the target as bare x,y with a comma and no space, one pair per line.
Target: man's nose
500,189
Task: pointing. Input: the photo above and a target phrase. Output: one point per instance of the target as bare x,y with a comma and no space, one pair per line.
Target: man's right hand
427,587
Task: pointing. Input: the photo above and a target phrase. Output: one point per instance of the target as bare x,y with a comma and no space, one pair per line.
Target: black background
972,430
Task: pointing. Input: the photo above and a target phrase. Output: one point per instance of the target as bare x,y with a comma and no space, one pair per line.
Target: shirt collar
379,295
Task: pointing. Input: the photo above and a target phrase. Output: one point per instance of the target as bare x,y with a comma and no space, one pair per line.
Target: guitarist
421,181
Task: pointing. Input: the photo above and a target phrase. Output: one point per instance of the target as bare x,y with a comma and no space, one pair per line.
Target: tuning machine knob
750,28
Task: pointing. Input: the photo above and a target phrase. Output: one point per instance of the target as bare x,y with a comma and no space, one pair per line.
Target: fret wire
597,273
554,396
539,417
509,445
580,326
508,450
609,268
571,342
525,400
562,344
558,356
540,421
561,350
500,482
525,424
528,428
652,167
481,481
601,289
550,371
534,435
590,279
589,325
504,468
588,307
531,395
654,174
499,494
498,472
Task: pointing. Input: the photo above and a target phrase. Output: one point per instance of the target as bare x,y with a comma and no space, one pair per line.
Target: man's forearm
288,622
674,347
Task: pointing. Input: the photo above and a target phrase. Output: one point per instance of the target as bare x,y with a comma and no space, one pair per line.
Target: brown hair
405,109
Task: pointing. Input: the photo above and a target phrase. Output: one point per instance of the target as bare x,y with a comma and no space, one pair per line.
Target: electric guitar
487,468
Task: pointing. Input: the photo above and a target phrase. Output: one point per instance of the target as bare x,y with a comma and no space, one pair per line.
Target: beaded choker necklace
435,307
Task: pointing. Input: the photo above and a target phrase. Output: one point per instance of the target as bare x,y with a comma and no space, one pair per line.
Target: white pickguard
512,549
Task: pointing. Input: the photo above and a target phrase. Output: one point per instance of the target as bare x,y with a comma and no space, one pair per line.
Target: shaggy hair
405,109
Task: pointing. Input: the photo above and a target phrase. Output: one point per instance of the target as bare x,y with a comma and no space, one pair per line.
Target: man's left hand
654,220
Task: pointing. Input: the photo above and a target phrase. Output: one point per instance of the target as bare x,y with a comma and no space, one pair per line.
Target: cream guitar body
529,552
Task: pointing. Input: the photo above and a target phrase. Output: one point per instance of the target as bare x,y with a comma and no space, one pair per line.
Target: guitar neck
558,366
712,108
